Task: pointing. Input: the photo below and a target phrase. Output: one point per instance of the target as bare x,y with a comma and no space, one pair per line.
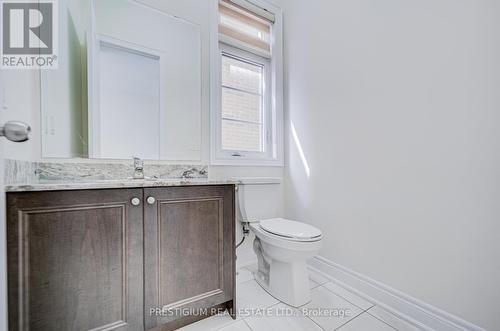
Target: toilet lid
291,229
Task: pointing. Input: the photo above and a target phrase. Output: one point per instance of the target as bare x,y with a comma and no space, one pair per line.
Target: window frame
266,120
272,125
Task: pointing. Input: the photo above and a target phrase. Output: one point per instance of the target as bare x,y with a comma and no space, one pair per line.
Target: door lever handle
15,131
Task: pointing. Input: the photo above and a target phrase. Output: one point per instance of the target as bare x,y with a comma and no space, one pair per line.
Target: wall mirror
128,83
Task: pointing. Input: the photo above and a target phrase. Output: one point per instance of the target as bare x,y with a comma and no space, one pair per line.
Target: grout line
411,321
247,268
215,328
297,308
365,312
349,321
246,281
225,325
321,284
294,308
392,327
402,321
246,323
279,302
314,322
245,318
339,295
316,285
265,307
356,316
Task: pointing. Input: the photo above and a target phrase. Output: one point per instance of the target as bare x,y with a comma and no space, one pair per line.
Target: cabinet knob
151,200
135,201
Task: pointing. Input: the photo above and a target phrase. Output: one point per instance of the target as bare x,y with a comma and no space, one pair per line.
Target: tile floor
332,308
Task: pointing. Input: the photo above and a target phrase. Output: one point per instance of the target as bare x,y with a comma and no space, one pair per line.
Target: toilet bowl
283,247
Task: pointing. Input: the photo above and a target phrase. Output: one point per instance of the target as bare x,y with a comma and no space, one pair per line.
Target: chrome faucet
187,174
138,168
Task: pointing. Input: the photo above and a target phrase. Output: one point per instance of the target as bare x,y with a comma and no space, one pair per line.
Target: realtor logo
29,38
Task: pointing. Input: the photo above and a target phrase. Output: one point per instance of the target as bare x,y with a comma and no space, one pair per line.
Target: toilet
283,247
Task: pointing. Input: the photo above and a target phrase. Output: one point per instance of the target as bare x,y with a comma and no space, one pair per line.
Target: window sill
247,162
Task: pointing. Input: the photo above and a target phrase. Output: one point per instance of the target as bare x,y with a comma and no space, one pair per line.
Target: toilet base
287,282
282,268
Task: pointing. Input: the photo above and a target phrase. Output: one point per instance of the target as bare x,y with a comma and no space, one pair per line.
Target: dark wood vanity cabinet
188,252
75,260
92,260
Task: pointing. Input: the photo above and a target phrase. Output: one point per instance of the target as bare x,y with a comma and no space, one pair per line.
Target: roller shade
246,26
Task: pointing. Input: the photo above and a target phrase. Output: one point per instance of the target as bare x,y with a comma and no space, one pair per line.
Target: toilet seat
290,230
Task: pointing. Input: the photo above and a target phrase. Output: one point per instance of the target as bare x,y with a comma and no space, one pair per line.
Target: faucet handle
138,168
138,163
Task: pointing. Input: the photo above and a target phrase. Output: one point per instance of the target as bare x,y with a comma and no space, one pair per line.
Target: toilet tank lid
291,229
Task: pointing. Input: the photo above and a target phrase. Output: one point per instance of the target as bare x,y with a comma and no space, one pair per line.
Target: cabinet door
189,252
75,260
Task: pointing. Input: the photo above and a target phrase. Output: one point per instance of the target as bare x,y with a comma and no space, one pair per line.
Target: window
243,104
246,92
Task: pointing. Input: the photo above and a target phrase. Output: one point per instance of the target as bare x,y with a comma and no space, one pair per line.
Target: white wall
21,102
396,107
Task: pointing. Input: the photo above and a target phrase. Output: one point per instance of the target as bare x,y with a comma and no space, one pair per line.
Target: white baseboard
414,311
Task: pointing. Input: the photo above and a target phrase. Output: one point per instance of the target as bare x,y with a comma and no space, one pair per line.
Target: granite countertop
55,185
